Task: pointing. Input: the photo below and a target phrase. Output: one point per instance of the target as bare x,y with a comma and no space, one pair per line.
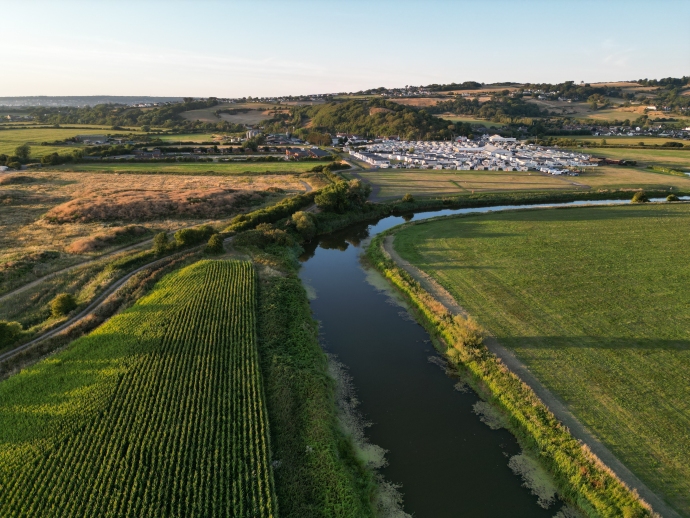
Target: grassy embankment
129,427
580,476
593,301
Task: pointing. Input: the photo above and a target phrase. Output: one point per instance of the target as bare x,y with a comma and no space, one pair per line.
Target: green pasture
665,157
188,167
471,120
595,302
630,141
11,138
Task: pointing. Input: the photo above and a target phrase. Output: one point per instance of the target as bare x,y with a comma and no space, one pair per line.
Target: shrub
342,196
640,197
215,245
672,197
23,152
161,243
62,304
14,165
304,223
408,198
193,236
9,332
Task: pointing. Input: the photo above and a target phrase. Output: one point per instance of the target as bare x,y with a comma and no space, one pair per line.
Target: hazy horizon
269,48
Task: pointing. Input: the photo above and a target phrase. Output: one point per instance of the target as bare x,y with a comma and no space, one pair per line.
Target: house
296,153
92,139
318,153
251,133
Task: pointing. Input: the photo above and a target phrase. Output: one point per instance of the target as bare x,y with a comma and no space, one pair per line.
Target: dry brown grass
25,231
105,239
373,111
146,204
418,101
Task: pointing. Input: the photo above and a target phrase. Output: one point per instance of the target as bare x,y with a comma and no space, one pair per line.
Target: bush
62,304
305,225
9,332
193,236
342,196
23,152
672,197
14,165
408,198
161,243
215,245
640,197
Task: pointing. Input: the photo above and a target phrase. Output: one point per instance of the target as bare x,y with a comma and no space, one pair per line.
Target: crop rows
172,423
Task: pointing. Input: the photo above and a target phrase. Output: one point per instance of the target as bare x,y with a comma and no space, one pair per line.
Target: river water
447,461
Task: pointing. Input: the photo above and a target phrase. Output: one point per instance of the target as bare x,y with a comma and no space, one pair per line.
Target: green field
631,141
594,302
189,167
393,183
11,138
471,120
159,412
672,158
189,137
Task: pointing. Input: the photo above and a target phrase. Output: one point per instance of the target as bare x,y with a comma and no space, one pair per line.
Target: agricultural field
630,141
471,120
544,283
664,157
391,183
11,138
159,412
191,168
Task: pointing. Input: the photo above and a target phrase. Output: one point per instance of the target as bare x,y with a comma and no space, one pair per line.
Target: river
447,461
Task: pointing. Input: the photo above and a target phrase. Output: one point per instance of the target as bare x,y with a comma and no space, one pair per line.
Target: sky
263,48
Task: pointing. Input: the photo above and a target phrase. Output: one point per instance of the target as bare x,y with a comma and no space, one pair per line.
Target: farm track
577,429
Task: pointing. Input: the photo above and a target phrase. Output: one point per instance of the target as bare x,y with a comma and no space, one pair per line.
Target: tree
9,332
161,243
62,304
672,197
304,223
640,197
408,198
23,152
215,245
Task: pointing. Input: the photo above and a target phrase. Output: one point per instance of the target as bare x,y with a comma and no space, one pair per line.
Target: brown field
93,203
418,101
394,183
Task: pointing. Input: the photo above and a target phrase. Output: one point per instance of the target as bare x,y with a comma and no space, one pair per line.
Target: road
577,429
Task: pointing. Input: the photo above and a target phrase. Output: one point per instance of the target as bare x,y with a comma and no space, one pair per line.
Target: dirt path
577,429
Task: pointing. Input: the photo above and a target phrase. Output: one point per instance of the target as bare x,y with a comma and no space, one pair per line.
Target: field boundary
552,402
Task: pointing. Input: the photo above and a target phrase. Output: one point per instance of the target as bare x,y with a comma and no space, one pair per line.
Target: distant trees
672,197
23,152
193,236
215,245
9,332
319,139
161,244
408,198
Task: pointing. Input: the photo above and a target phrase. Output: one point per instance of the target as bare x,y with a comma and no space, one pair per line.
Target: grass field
11,138
471,120
594,301
630,141
190,167
672,158
160,412
394,183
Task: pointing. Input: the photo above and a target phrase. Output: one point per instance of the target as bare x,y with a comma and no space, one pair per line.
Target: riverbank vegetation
581,477
592,300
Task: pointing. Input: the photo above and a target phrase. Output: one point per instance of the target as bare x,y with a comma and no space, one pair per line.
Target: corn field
159,412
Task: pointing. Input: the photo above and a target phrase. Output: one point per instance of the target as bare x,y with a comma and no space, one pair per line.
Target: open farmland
630,141
11,138
593,301
672,158
429,182
160,412
471,120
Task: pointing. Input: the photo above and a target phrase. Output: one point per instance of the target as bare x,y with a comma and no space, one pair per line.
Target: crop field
160,412
430,182
11,138
187,168
594,302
